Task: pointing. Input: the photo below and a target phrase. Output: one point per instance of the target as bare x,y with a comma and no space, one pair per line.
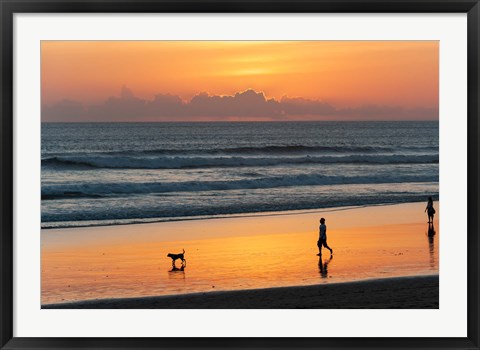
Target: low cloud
65,110
246,105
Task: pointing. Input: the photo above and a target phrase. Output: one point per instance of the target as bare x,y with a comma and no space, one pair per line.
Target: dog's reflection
177,273
323,266
178,269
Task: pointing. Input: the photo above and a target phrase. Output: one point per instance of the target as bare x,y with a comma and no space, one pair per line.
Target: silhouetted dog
180,256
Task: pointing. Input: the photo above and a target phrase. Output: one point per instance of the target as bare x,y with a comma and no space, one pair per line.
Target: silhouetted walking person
430,210
322,240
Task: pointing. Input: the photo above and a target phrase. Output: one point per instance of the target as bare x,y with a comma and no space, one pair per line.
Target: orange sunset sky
239,80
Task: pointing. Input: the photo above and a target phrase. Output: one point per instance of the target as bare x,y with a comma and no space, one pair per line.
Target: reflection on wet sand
431,243
323,266
177,273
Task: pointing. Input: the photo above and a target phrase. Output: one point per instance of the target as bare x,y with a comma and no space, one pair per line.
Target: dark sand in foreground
390,293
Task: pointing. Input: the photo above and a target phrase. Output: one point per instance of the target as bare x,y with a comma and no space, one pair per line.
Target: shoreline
409,292
230,216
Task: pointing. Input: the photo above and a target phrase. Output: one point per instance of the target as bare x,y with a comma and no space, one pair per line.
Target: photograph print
240,175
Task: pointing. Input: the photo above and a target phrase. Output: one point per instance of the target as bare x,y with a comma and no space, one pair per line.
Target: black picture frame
9,7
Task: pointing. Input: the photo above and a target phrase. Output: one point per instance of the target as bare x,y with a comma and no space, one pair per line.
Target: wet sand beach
260,261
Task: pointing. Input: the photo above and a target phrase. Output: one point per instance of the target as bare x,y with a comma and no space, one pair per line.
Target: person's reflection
323,266
431,246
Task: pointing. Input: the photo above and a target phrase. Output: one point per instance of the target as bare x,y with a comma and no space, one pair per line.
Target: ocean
120,173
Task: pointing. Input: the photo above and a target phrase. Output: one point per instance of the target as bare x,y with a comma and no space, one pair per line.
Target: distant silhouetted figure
322,240
430,210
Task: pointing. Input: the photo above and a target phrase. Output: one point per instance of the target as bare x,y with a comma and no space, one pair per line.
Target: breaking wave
97,190
265,150
165,162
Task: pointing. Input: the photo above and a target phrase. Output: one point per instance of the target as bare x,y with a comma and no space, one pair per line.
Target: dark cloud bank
248,105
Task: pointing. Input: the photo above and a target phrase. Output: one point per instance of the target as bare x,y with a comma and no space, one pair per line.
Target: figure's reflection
174,268
323,266
431,243
177,272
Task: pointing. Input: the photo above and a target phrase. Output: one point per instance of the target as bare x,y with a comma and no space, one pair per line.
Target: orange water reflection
236,253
